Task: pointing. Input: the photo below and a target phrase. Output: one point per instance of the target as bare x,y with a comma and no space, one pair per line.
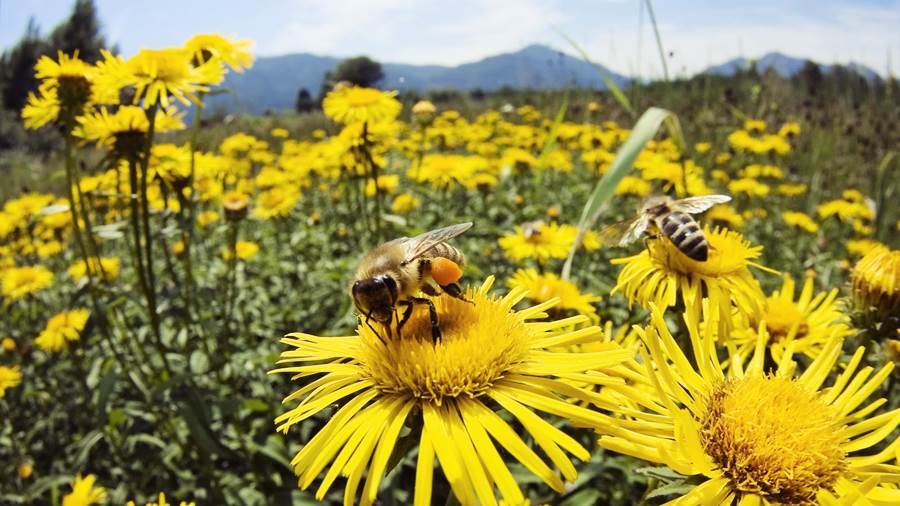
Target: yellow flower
161,501
246,250
353,104
207,218
723,158
544,287
210,46
845,210
25,469
755,125
64,92
491,368
748,186
387,183
876,281
702,147
404,203
9,344
235,205
178,248
10,377
62,328
125,130
84,492
724,214
789,129
423,108
276,203
630,185
746,437
861,247
755,170
792,189
540,241
279,133
660,273
19,282
105,267
807,324
158,74
801,221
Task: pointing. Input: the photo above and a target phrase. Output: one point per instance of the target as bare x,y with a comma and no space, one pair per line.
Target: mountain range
272,83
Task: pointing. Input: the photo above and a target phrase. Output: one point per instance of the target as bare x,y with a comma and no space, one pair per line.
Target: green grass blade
607,79
645,129
662,53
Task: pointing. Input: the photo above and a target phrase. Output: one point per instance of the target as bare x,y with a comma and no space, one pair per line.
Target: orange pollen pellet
445,271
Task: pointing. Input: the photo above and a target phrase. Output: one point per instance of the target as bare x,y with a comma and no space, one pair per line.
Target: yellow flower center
480,342
782,316
728,253
772,437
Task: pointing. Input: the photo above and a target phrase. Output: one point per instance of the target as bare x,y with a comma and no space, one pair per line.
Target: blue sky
697,32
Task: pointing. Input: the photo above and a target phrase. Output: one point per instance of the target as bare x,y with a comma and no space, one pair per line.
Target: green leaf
107,383
678,488
85,446
645,129
255,405
199,362
584,497
41,485
663,473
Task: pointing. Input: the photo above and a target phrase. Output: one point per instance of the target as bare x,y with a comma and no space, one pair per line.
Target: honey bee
671,219
393,273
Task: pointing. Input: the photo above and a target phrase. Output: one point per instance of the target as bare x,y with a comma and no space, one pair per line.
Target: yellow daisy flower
724,214
800,220
808,324
105,267
492,367
245,250
10,377
84,492
748,437
161,501
20,282
125,130
64,92
544,287
876,282
543,241
62,328
276,203
207,46
352,104
748,186
630,185
158,74
861,247
404,203
791,189
660,273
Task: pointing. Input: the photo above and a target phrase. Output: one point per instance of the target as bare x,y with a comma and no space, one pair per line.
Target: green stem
148,237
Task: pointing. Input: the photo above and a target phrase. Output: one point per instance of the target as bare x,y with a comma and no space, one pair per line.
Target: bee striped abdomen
685,234
444,250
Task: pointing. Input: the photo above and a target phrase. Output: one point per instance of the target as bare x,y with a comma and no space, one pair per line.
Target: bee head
375,297
654,204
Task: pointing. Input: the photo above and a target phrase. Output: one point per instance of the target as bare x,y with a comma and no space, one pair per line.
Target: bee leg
455,291
432,313
407,313
427,289
377,334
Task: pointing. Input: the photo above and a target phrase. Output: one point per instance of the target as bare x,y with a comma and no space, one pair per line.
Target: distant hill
784,65
273,82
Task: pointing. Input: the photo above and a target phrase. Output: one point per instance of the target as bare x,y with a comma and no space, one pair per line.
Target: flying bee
393,273
671,219
531,228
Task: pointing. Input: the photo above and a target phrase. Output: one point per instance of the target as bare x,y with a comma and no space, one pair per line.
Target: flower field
178,325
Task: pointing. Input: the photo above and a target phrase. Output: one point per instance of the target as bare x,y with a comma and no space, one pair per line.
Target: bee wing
624,232
420,244
694,205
